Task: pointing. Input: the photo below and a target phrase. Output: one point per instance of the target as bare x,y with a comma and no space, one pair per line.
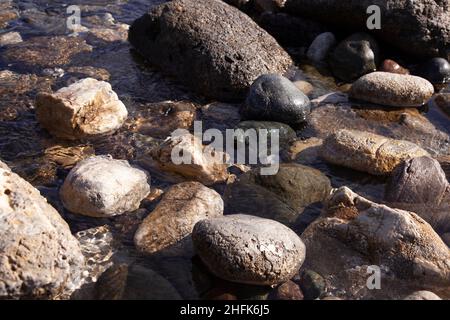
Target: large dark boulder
209,45
420,27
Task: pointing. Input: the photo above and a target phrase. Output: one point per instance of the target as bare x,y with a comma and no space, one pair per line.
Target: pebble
287,291
275,98
436,70
368,152
87,108
391,66
391,89
103,187
320,47
247,249
312,284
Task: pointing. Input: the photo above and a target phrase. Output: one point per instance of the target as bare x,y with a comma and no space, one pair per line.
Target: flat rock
103,187
368,152
227,48
172,221
248,249
392,89
355,233
39,257
84,109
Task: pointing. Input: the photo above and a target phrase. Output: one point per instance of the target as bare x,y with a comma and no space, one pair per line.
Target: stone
436,70
103,187
247,249
87,108
355,56
320,47
286,133
312,284
368,152
282,197
39,257
290,31
422,295
391,66
172,221
198,163
443,102
287,291
392,89
10,38
221,116
404,24
355,233
276,98
227,48
305,87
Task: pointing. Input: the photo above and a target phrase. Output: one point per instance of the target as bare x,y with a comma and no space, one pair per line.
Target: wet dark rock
392,89
135,282
289,30
355,233
282,197
355,56
312,284
321,46
287,291
391,66
276,98
227,50
436,70
286,133
405,24
247,249
45,52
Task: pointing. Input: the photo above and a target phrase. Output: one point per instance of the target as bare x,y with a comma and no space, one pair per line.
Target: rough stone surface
392,89
39,257
288,291
321,46
10,38
421,27
172,221
355,233
368,152
227,50
248,249
422,295
276,98
86,108
354,57
199,164
103,187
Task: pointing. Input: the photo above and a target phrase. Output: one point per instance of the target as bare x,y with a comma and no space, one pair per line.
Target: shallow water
45,161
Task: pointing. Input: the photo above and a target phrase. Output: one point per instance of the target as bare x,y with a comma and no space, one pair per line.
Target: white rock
10,38
103,187
86,108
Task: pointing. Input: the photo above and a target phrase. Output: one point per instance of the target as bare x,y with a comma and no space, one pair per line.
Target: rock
135,282
418,180
355,56
304,151
247,249
275,98
355,233
286,133
220,116
282,197
225,47
45,52
422,295
436,70
404,25
368,152
291,31
197,163
312,284
85,109
392,89
103,187
172,221
443,101
305,87
287,291
10,38
393,67
39,257
321,46
420,185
